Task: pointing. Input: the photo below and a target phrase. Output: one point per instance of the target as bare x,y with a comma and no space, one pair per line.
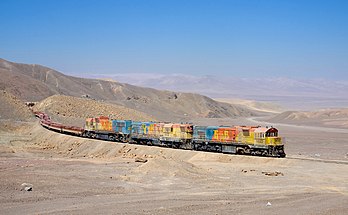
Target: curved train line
188,144
73,130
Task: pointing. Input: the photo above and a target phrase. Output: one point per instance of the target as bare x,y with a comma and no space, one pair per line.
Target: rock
273,173
245,171
27,187
268,204
141,160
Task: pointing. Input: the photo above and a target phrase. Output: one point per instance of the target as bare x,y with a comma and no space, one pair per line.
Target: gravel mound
13,108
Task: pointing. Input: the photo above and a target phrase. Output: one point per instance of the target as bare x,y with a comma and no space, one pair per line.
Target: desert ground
72,175
43,172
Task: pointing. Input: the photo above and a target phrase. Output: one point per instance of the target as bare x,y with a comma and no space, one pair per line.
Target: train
245,140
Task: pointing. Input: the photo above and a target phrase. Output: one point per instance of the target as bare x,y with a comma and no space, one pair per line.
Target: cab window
246,133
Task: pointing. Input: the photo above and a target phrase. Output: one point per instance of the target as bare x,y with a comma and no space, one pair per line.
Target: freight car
250,140
46,122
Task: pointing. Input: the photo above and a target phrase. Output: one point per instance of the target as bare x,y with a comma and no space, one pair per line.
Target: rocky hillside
74,111
35,82
175,106
13,108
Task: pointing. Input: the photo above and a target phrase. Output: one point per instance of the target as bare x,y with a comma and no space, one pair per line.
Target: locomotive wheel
218,148
264,153
241,151
121,139
111,138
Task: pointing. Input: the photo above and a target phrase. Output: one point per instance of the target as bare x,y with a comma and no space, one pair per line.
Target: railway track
318,160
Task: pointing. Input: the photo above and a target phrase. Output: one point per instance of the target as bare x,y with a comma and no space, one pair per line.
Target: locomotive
253,140
250,140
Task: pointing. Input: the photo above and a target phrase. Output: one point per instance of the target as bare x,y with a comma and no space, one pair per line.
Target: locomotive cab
267,136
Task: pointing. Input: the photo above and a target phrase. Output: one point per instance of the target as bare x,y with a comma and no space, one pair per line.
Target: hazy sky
295,38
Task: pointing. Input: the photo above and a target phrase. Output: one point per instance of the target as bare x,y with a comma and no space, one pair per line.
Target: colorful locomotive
253,140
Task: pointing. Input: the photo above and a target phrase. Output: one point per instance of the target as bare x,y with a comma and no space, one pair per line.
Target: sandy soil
72,175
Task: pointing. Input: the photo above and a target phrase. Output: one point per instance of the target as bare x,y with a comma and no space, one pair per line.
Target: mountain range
288,92
31,82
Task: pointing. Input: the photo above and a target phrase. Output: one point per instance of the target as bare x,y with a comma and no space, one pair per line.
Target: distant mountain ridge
291,93
35,83
337,118
229,85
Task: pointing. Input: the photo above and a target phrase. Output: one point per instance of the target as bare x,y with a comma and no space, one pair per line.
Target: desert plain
44,172
72,175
